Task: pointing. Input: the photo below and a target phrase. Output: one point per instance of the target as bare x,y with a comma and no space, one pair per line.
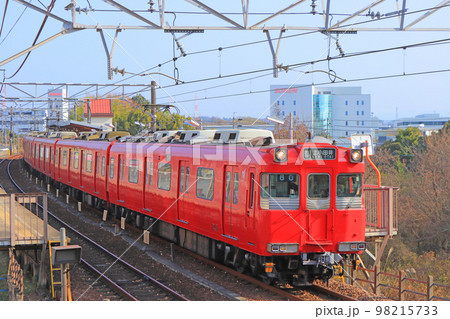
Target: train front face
311,200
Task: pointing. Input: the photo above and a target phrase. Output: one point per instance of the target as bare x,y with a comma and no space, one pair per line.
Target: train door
96,171
183,190
250,206
230,198
318,204
148,168
80,167
57,161
69,163
120,175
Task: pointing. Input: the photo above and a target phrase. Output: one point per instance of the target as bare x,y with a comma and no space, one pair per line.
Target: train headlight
356,156
353,246
282,248
281,155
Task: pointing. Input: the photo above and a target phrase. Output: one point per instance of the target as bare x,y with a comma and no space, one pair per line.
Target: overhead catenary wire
260,42
323,83
6,36
294,65
3,19
285,37
49,9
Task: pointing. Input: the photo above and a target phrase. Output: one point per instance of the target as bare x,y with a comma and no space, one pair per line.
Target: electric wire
250,43
49,9
6,36
264,41
4,15
299,64
324,83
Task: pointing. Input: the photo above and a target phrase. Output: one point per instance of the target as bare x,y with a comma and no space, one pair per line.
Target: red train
281,212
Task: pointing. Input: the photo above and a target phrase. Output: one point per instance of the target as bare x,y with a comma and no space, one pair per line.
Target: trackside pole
378,183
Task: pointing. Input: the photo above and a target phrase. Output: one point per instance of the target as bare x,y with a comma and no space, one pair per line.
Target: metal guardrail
20,215
381,210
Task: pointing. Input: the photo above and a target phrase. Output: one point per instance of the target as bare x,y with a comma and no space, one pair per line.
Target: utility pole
89,111
62,242
153,103
11,134
233,119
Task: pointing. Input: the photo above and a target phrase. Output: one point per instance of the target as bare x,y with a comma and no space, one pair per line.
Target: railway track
127,281
289,294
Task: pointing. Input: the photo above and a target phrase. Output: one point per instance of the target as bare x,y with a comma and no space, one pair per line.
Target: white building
337,112
428,122
58,106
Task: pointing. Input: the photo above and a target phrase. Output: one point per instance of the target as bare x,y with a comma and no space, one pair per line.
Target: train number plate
319,153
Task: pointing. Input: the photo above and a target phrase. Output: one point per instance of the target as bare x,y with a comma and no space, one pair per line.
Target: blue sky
80,57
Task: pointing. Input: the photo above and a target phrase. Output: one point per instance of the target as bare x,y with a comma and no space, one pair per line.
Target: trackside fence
396,286
21,224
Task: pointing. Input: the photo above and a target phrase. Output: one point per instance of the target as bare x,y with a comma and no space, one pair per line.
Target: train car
281,212
81,166
43,152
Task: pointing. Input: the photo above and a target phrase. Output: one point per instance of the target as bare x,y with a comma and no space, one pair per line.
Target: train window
164,174
56,157
103,165
76,159
89,163
64,162
228,189
181,179
123,169
97,165
236,188
349,185
42,152
111,168
279,185
205,183
318,186
149,176
47,153
187,179
252,189
133,171
280,191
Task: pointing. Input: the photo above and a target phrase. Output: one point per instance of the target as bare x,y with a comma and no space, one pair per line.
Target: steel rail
332,293
154,282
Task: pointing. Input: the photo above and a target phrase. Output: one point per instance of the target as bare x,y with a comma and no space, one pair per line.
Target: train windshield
349,191
279,191
318,186
279,185
349,185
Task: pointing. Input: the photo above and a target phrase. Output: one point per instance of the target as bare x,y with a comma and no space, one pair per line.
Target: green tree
79,107
127,112
404,146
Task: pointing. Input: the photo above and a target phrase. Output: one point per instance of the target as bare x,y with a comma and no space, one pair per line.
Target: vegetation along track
128,281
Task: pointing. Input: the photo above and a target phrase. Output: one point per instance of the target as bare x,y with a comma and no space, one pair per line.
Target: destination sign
319,153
